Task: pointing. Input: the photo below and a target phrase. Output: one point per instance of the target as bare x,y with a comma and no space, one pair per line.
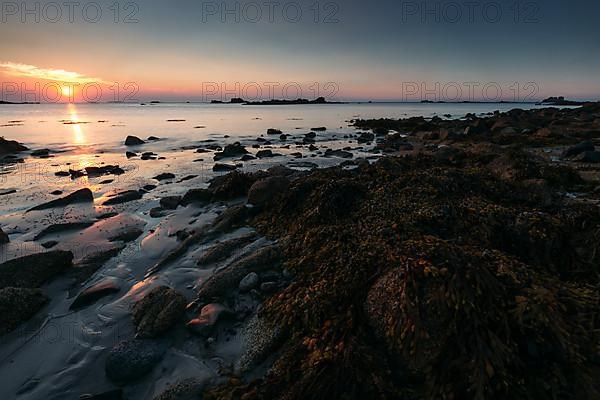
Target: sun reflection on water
78,134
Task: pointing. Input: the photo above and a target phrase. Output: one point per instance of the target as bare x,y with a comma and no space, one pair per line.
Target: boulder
170,202
133,141
272,131
224,250
158,311
231,150
164,176
132,359
80,196
34,270
17,305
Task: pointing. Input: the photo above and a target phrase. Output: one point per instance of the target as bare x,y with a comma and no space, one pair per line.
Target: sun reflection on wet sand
78,134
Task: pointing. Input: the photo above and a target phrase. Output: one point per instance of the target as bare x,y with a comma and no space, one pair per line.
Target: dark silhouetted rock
592,157
231,150
133,141
578,149
272,131
123,197
34,270
10,147
80,196
224,168
170,202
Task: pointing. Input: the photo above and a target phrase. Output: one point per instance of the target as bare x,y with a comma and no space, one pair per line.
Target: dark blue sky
378,50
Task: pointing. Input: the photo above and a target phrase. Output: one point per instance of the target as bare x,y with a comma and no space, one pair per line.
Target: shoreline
314,286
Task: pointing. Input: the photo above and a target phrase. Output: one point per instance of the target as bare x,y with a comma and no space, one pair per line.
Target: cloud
60,75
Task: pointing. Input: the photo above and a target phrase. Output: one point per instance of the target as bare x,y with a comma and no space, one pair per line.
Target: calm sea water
48,125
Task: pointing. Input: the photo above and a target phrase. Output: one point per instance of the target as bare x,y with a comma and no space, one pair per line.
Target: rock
104,170
229,278
310,135
272,131
250,281
157,212
187,389
262,341
42,153
196,196
56,192
265,154
49,244
34,270
124,197
133,141
210,315
80,196
231,218
158,311
164,176
312,147
319,129
62,173
224,168
3,237
269,287
126,234
17,305
57,228
247,157
153,139
76,173
94,293
578,149
132,359
265,190
592,157
170,202
338,153
10,147
130,154
231,150
366,137
223,250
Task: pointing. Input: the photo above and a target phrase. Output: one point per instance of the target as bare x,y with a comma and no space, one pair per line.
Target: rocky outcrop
34,270
80,196
17,305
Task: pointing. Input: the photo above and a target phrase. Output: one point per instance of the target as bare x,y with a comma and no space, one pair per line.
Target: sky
379,50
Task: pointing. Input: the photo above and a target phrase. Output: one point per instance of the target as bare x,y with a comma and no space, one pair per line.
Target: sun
67,91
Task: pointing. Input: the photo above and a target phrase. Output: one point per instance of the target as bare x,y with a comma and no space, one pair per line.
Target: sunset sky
178,50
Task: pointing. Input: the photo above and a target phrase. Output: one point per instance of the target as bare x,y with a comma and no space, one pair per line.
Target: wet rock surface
17,305
34,270
158,311
132,359
79,196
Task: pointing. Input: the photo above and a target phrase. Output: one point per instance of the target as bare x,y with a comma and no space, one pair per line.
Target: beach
343,251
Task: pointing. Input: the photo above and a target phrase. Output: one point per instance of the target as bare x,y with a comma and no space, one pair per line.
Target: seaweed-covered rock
187,389
17,305
158,311
132,359
266,190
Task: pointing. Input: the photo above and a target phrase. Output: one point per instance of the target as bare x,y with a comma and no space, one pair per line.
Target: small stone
250,282
164,176
209,316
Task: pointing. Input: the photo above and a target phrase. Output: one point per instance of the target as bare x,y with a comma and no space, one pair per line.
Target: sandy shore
416,258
